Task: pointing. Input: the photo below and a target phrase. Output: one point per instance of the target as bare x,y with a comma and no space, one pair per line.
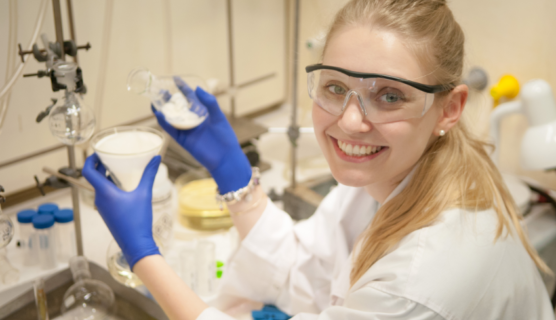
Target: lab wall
503,37
184,37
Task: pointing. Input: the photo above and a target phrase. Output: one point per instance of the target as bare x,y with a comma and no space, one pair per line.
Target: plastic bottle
26,230
65,235
206,268
163,215
47,208
44,238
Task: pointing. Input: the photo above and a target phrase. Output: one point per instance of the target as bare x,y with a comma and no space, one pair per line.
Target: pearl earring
442,133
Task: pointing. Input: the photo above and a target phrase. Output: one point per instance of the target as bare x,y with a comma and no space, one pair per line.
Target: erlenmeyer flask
167,98
87,298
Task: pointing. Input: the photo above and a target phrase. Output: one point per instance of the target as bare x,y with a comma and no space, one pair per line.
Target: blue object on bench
269,312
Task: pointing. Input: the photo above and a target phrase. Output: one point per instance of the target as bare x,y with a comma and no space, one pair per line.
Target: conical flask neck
80,268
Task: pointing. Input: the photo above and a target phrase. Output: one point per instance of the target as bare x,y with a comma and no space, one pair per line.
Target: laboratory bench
96,241
540,223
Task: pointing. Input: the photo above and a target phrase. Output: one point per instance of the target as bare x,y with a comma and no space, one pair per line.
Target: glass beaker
126,151
87,298
118,267
6,230
167,98
72,122
8,273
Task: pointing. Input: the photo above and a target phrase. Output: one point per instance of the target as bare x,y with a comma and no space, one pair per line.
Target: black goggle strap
423,87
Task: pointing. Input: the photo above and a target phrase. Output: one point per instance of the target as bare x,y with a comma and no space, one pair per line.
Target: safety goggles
382,98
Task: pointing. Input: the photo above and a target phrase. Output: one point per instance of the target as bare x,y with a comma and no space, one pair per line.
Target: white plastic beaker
126,151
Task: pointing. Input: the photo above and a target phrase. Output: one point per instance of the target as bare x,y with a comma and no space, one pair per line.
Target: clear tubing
103,62
65,241
44,238
8,274
11,62
9,84
206,268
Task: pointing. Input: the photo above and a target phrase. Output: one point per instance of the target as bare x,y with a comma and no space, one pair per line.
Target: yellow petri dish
198,208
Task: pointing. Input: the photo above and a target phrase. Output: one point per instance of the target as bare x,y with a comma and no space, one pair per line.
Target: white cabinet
166,36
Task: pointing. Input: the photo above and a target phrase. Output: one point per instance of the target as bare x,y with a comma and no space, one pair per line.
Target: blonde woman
421,225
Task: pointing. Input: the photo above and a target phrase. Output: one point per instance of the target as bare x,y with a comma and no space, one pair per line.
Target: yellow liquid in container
198,208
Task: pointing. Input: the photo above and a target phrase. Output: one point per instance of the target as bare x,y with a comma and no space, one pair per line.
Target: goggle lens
383,100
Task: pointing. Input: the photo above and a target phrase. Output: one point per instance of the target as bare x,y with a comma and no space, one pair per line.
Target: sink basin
130,304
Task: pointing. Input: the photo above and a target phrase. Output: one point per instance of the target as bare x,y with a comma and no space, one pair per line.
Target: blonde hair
455,171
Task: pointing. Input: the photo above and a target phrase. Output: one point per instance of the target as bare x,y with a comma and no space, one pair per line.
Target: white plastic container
163,208
206,268
65,235
188,266
44,238
25,243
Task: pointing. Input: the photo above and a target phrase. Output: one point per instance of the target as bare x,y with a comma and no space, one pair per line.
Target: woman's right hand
213,143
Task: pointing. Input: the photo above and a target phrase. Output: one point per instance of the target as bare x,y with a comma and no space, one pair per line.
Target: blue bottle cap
26,216
43,221
63,216
48,208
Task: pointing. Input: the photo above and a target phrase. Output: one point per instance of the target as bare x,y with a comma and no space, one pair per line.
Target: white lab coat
450,270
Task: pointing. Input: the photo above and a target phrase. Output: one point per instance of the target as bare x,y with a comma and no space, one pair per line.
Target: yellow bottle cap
507,87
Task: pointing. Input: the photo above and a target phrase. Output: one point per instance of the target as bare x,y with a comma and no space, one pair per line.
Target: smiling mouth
355,150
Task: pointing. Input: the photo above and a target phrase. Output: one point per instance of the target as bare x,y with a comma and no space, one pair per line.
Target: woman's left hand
128,215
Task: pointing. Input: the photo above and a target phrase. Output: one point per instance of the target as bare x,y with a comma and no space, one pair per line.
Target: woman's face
368,50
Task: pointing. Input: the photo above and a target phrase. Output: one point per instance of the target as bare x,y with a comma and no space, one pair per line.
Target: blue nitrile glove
213,143
128,215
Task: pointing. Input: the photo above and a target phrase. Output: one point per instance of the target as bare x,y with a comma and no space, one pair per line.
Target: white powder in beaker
177,113
129,143
126,154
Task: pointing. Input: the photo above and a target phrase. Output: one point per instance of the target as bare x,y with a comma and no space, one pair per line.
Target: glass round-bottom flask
87,298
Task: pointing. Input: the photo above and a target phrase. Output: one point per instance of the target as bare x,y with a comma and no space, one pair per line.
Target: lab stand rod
75,202
71,149
231,58
69,179
72,27
294,130
58,25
